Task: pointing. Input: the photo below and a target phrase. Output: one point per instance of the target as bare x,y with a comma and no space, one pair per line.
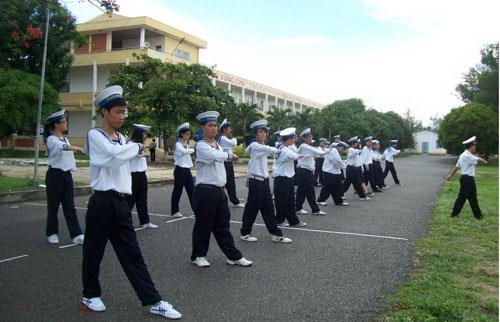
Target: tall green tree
165,95
240,117
466,121
480,83
22,33
279,119
19,102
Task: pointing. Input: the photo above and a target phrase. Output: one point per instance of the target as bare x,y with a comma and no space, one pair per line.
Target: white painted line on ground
12,258
332,232
69,245
177,219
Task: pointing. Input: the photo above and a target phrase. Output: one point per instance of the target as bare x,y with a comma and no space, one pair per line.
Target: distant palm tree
279,119
242,116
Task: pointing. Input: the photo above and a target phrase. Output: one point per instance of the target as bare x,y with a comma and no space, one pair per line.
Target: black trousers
389,166
231,183
284,200
60,191
183,178
152,154
379,174
109,218
369,177
139,196
259,198
212,216
467,192
318,170
305,189
353,176
333,186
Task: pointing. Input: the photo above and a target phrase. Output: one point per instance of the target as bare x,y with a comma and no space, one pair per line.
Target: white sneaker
385,187
319,213
94,304
150,225
365,199
283,224
53,239
201,262
322,203
240,205
371,194
249,238
281,239
300,224
343,198
301,212
78,240
177,215
343,204
240,262
165,309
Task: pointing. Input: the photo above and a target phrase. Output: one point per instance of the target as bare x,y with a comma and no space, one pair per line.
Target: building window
182,54
158,48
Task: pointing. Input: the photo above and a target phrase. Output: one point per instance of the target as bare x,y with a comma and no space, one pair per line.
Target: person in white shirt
389,154
318,163
466,163
332,172
108,213
138,167
378,173
259,191
283,175
58,180
183,178
353,170
211,209
366,159
305,175
227,145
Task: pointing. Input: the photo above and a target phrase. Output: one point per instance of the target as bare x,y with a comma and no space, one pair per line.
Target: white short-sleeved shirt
353,157
466,162
227,144
283,163
309,152
333,162
58,155
366,155
182,155
389,153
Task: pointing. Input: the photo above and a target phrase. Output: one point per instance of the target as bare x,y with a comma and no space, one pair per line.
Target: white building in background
426,142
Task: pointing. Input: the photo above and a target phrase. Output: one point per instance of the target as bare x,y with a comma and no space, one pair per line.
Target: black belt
208,186
111,193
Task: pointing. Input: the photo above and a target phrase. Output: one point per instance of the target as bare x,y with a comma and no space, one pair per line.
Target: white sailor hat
109,97
287,133
55,117
336,136
141,127
207,116
306,132
323,140
327,142
375,142
334,144
344,145
260,124
224,124
368,138
353,139
394,141
469,140
183,126
277,133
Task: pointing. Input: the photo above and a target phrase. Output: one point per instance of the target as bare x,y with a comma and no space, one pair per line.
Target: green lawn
455,275
8,184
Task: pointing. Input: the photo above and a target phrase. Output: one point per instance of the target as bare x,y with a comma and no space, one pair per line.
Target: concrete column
109,40
142,38
276,101
255,97
266,103
213,81
243,94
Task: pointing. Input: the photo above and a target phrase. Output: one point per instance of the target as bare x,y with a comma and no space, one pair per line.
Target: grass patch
9,184
455,275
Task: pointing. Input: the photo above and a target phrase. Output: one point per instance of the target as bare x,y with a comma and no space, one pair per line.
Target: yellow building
114,40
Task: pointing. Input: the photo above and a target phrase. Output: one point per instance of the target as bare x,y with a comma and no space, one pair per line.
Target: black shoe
480,217
453,216
377,190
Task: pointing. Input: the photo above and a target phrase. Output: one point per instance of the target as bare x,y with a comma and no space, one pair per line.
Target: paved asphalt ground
338,268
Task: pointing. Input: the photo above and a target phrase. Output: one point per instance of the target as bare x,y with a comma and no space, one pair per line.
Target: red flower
14,34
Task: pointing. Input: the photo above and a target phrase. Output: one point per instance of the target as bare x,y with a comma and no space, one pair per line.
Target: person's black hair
137,136
468,145
181,132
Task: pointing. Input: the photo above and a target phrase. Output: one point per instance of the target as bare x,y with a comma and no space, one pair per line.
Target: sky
395,55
